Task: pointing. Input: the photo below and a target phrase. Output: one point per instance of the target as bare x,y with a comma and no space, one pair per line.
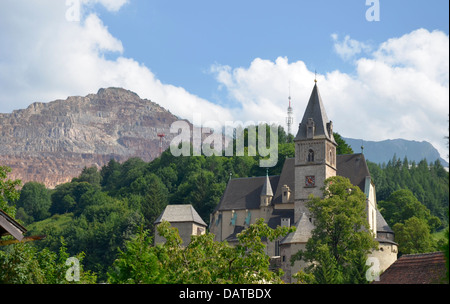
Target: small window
310,155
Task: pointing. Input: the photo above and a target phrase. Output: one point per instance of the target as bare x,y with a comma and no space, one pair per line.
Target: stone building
185,219
280,200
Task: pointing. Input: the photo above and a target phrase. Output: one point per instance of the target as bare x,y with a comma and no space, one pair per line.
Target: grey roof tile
316,111
180,213
244,193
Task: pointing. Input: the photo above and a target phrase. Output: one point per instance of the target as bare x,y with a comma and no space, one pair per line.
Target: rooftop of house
180,213
423,268
244,193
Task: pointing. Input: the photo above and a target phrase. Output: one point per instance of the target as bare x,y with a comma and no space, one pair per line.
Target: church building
281,199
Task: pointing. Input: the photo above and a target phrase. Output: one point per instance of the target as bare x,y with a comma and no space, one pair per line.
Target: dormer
310,128
285,194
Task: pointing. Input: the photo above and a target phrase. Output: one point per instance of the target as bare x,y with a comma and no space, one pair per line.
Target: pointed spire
267,188
315,119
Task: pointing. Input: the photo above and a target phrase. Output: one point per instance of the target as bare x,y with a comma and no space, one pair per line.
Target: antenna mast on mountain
160,135
290,114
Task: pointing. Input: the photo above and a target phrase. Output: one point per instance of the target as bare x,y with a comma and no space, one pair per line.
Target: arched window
310,155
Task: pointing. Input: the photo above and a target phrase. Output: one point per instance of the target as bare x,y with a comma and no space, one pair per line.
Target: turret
266,193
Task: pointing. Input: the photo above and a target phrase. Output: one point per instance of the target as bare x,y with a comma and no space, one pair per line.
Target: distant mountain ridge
382,151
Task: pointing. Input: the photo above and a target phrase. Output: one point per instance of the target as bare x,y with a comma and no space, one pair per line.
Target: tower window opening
310,155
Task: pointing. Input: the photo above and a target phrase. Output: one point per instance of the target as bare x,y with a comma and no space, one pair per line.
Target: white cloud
399,91
348,47
49,57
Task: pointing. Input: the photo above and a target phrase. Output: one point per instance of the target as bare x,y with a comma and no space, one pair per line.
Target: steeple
315,123
315,153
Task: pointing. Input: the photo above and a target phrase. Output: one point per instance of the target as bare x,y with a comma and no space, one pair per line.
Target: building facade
280,200
185,219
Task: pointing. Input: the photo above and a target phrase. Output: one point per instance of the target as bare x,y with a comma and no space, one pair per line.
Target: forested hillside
97,212
429,182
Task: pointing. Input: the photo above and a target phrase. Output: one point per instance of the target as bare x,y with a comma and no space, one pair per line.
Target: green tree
341,238
137,264
402,205
8,191
427,181
90,175
35,201
24,264
203,261
152,195
413,236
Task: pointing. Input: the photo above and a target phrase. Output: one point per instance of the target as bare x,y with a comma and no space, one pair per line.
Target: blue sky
180,40
235,60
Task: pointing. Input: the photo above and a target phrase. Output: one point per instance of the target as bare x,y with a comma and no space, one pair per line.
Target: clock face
310,181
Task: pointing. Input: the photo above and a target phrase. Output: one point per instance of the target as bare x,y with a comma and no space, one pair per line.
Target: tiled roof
286,178
316,111
353,167
278,214
424,268
180,213
245,193
302,232
382,225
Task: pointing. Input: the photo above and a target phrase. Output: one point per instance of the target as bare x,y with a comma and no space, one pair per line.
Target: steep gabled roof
286,178
180,213
316,111
353,167
245,193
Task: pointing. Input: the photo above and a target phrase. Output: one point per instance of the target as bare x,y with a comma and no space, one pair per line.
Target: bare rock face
52,142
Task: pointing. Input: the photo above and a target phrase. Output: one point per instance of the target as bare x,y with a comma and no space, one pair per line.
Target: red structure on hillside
160,135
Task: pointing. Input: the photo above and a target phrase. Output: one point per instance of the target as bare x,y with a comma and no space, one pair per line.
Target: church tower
315,152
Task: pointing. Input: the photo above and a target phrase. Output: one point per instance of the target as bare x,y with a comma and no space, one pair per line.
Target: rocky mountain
382,151
52,142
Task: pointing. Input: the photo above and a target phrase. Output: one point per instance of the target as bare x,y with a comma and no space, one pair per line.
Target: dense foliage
100,213
202,261
428,182
341,239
